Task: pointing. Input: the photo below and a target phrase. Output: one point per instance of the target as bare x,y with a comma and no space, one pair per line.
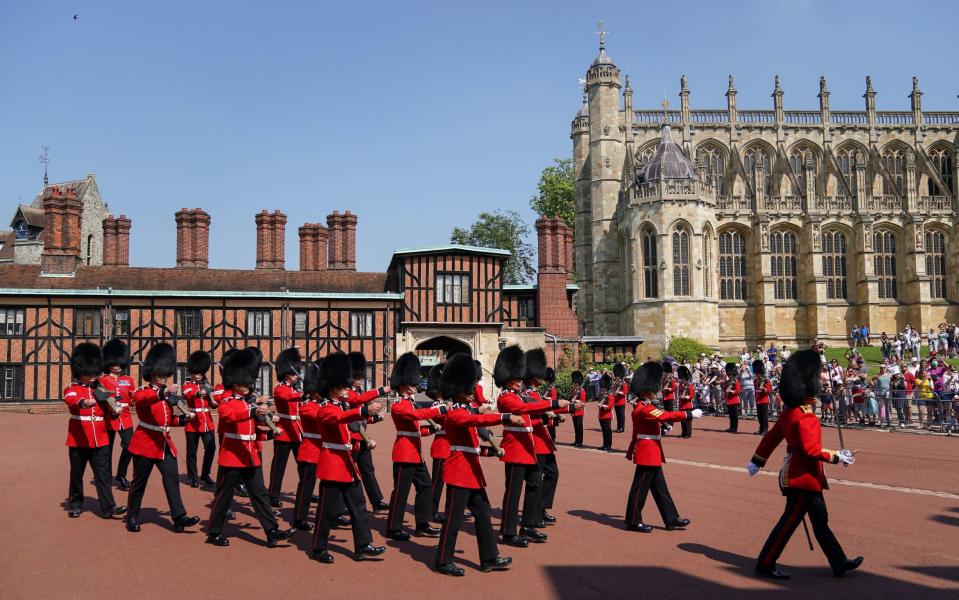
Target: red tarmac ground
898,506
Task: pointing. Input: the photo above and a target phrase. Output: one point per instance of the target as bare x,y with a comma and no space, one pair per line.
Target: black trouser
142,467
281,456
668,405
578,430
304,491
364,462
404,476
125,457
687,427
437,476
226,480
547,464
333,495
552,431
798,504
620,417
457,500
193,439
733,417
99,459
516,476
645,480
607,426
762,413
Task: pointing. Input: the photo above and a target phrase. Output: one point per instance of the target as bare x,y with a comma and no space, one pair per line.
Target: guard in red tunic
733,387
308,453
116,360
646,450
338,473
440,447
409,468
670,387
479,397
606,404
685,392
239,459
87,437
199,397
763,389
463,473
619,399
519,449
362,444
287,396
152,445
550,393
578,396
801,479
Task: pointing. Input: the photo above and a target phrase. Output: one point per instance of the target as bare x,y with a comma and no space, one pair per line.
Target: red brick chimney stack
568,243
554,241
342,240
116,241
314,241
61,233
192,238
270,240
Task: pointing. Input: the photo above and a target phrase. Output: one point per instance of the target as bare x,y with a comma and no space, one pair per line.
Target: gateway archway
438,349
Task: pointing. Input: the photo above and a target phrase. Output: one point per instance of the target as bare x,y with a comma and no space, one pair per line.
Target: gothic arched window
681,261
758,157
847,165
650,278
936,262
644,155
884,263
834,264
714,160
797,160
894,160
944,165
783,262
89,249
732,266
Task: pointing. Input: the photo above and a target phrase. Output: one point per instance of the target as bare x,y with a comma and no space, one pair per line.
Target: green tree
555,196
686,349
504,230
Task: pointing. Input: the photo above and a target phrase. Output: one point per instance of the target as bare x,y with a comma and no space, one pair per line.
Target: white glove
697,413
846,457
752,468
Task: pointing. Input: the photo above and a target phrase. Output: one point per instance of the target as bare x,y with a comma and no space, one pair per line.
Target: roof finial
778,88
732,87
45,159
915,85
627,84
601,32
869,89
665,107
682,83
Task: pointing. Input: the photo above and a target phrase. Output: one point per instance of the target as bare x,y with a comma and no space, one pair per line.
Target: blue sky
414,115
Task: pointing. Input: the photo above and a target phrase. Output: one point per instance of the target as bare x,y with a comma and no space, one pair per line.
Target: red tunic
542,440
120,388
199,403
87,427
310,446
357,397
518,444
670,389
336,459
802,468
763,390
462,468
619,398
406,417
152,435
440,448
478,396
581,398
646,447
733,398
687,402
238,432
613,399
287,402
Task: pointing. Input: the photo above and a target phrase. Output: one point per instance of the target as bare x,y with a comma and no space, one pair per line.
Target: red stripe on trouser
780,540
219,493
320,507
446,525
638,493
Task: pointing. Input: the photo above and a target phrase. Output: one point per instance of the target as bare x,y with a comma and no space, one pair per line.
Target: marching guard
87,437
620,393
646,451
733,387
763,389
605,414
362,445
579,397
551,394
802,479
116,359
685,393
440,447
199,397
287,395
308,453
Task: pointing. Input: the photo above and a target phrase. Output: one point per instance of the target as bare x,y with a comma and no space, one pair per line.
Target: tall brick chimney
342,253
554,239
116,241
314,246
270,240
61,233
568,242
192,238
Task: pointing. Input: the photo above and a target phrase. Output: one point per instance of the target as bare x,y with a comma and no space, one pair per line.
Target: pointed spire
603,58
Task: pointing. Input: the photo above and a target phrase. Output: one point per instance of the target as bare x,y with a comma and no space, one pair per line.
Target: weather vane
601,32
45,159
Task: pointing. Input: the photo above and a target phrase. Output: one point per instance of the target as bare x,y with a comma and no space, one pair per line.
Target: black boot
450,569
640,527
548,518
426,531
516,541
207,480
368,551
122,483
182,522
113,512
500,563
532,535
398,535
217,540
133,526
849,565
322,557
677,524
302,525
380,506
241,491
275,536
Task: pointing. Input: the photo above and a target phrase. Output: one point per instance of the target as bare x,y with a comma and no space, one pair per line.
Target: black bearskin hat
731,370
800,377
86,360
550,374
535,364
358,363
759,368
255,369
311,374
241,368
288,362
606,382
406,371
619,370
160,361
510,364
683,373
459,377
647,378
199,362
479,370
433,382
225,357
115,353
577,377
335,372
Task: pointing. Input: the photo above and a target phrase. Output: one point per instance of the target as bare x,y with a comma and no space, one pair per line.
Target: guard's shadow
615,521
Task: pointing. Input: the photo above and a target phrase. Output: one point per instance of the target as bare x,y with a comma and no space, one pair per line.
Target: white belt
200,410
440,432
332,446
123,404
160,428
290,417
518,429
85,418
312,436
465,449
240,436
413,434
641,436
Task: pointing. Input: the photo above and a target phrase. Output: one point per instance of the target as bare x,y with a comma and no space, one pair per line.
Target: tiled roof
668,162
77,188
6,245
34,217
